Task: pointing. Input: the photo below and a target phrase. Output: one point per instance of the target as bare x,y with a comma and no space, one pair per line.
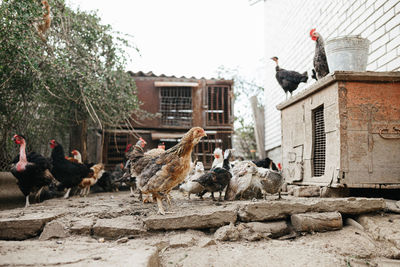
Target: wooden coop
180,104
344,131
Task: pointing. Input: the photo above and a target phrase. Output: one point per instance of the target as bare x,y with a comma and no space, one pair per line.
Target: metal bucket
349,53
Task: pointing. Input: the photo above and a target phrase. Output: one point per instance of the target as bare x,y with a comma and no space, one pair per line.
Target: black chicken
266,163
288,79
321,68
31,171
216,179
68,173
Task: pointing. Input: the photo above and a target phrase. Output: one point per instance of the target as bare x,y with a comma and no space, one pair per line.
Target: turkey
321,68
289,80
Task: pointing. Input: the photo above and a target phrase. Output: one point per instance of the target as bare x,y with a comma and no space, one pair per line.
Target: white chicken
218,158
193,187
245,182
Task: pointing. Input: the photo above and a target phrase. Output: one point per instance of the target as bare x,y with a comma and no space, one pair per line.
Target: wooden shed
180,104
344,131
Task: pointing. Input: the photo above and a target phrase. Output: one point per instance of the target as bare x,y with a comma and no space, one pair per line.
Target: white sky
187,37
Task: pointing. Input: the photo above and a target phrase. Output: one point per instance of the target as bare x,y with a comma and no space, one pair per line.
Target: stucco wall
287,27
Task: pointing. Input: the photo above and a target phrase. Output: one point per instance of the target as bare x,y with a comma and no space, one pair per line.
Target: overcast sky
187,37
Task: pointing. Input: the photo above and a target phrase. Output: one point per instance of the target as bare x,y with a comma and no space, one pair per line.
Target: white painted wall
287,27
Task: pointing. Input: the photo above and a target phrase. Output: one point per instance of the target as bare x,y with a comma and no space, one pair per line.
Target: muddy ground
108,229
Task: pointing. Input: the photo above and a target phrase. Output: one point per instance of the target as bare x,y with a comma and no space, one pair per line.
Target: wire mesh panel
319,142
218,112
176,106
204,151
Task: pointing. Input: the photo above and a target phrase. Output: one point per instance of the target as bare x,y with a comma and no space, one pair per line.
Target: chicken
134,153
321,68
245,183
271,181
70,174
190,186
76,156
169,169
288,80
216,179
218,158
266,163
32,171
86,183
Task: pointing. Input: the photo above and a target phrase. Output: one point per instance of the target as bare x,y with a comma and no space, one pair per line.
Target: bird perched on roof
321,68
32,171
216,179
169,169
289,80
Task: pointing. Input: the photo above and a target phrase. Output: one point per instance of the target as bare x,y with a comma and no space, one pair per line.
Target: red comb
312,32
141,139
279,166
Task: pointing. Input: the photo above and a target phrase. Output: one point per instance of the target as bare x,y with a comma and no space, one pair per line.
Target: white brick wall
287,27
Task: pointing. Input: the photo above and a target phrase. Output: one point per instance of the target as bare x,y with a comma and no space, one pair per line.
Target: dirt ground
375,243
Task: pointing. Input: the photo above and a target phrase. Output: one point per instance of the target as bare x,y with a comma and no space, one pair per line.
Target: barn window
319,139
176,106
219,105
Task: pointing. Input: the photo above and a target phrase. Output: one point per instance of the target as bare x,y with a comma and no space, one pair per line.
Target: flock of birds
289,80
153,173
158,171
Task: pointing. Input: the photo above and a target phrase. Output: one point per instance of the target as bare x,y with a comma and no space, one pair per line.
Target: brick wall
287,27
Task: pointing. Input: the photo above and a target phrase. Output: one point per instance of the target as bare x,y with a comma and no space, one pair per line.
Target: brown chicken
169,169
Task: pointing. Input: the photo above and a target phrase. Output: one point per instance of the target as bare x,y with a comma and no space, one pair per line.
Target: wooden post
259,132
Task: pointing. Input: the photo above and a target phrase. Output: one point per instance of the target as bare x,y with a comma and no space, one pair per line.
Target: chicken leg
160,206
27,201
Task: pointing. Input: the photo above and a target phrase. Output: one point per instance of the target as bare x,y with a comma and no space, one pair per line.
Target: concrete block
306,191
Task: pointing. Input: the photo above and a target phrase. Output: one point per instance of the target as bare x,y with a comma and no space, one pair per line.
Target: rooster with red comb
321,68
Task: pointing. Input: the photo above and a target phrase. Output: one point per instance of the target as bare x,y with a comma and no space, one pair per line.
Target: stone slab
118,227
194,219
24,226
317,222
273,210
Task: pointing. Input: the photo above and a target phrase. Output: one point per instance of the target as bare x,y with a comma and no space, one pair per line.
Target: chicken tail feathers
314,75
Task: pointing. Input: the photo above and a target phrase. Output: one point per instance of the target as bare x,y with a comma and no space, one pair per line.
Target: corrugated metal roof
150,74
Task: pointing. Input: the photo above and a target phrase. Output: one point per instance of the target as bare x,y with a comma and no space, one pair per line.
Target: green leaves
76,73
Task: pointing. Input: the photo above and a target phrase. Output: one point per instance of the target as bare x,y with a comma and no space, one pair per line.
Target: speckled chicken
321,68
169,169
271,181
245,182
190,186
216,179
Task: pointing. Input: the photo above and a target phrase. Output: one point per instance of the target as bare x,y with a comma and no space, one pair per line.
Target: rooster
32,171
289,80
69,173
169,169
321,68
216,179
76,156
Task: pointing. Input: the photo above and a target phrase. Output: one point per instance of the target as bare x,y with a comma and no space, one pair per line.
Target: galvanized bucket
348,53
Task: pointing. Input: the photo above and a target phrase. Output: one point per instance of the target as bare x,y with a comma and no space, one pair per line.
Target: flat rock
392,206
317,222
206,241
53,229
306,191
181,240
118,227
269,229
273,210
194,219
25,226
82,226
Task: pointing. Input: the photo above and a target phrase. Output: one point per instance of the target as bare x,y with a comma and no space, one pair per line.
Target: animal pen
344,131
180,104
